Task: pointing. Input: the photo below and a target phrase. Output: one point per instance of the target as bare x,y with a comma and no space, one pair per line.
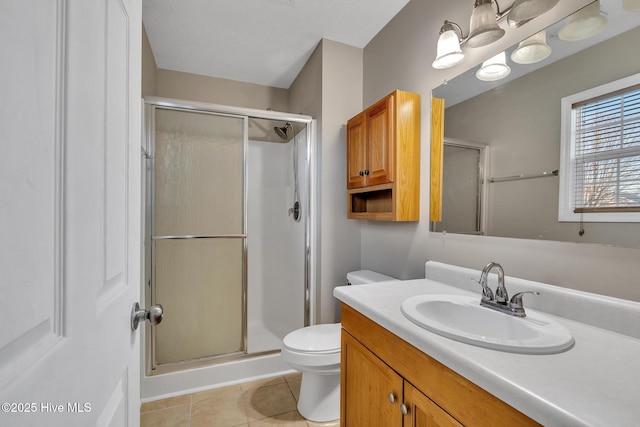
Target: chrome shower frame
309,209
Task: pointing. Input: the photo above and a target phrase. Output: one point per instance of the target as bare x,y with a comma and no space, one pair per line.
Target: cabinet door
356,145
380,142
370,391
423,412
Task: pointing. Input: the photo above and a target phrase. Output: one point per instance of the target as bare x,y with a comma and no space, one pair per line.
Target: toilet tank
362,277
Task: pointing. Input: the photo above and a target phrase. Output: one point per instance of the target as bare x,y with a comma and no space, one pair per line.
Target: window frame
567,154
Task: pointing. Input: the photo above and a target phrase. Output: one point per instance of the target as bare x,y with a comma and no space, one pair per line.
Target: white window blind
606,147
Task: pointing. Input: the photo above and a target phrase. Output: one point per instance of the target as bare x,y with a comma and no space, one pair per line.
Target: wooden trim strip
437,153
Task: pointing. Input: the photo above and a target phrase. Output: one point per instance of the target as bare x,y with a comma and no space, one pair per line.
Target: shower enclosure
228,241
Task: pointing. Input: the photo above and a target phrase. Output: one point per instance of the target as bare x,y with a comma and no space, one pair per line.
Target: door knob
153,315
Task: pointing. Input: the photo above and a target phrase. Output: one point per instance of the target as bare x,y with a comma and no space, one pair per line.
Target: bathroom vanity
396,373
410,387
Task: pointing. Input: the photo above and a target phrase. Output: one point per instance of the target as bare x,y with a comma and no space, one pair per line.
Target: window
600,157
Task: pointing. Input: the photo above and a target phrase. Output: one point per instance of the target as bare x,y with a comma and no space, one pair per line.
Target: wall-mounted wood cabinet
383,160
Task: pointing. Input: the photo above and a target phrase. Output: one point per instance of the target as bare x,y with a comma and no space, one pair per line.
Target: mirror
516,121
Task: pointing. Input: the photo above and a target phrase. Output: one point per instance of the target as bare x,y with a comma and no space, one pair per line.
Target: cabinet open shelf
371,203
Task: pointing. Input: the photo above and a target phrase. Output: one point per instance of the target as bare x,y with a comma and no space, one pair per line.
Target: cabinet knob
361,173
392,398
366,171
404,409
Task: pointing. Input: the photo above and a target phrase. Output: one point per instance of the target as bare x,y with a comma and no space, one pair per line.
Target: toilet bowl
315,351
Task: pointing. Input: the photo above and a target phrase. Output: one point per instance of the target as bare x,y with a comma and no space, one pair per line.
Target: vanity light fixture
494,68
532,50
524,11
484,30
585,23
484,27
631,5
449,53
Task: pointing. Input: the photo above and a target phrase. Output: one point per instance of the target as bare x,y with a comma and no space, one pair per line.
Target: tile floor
262,403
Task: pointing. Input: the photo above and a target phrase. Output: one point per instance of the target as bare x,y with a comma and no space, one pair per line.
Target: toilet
315,351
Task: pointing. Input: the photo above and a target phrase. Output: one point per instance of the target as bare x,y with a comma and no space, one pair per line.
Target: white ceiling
265,42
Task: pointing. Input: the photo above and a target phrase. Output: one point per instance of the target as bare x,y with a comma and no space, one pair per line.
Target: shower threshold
168,368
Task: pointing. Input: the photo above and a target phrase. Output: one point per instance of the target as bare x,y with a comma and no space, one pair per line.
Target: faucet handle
516,300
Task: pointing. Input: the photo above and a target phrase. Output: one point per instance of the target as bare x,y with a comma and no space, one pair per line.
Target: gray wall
194,87
341,100
149,69
329,88
400,57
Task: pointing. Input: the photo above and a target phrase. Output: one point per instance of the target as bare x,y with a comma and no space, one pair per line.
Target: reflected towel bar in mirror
525,176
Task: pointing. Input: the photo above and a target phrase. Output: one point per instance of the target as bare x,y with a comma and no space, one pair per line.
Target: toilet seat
317,339
313,349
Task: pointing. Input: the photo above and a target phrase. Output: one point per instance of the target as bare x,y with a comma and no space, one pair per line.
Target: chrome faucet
501,292
501,300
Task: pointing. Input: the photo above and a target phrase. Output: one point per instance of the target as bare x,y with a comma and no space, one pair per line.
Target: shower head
282,131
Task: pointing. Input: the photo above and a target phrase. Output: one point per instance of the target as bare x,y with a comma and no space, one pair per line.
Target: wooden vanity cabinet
423,412
386,382
383,160
367,383
388,396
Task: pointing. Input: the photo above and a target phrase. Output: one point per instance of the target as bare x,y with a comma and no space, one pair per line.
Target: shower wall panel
276,243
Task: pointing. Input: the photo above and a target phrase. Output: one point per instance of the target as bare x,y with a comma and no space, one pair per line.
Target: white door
69,212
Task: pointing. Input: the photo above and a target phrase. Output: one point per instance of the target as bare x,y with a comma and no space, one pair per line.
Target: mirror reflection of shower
282,132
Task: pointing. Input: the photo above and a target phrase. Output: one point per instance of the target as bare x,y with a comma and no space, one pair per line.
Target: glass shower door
198,235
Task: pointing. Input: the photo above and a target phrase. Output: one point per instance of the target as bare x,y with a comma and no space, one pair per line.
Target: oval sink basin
461,318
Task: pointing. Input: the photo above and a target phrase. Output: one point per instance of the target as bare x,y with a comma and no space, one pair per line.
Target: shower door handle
153,315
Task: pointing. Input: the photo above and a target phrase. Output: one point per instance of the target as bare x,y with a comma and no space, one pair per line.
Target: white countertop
595,383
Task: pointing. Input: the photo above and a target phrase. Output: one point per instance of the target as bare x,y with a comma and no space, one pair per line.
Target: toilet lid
314,339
